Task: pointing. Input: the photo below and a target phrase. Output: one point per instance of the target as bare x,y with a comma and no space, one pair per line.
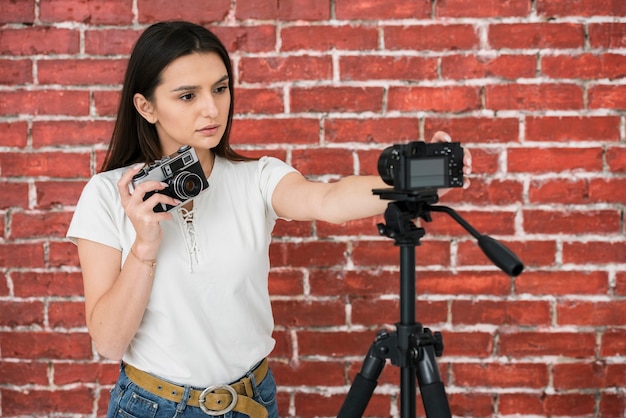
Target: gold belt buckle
211,389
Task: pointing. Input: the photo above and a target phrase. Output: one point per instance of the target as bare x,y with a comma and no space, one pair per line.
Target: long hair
134,139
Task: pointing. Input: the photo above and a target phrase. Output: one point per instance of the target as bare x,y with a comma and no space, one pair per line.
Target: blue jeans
131,401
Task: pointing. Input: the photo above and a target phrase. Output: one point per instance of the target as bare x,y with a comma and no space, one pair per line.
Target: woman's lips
209,130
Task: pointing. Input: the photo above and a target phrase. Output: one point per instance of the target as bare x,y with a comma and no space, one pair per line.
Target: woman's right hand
140,212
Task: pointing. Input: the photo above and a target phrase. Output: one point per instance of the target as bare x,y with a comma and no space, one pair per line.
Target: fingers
441,136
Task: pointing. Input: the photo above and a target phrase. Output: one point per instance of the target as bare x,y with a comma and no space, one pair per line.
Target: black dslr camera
418,166
181,172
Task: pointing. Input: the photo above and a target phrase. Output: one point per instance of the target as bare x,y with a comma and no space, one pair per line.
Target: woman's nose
209,108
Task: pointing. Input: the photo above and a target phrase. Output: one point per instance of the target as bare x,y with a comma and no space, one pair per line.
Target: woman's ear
144,107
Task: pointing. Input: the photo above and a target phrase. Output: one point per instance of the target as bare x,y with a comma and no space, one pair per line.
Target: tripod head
407,206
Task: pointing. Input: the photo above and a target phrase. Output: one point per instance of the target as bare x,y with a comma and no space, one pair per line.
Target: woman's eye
186,97
221,89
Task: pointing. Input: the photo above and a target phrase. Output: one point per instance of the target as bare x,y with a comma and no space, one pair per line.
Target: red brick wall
536,89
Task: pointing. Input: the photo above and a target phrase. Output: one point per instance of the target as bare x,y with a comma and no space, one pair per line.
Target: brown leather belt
214,400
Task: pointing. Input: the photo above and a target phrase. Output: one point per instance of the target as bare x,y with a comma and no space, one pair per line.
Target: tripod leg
431,387
363,385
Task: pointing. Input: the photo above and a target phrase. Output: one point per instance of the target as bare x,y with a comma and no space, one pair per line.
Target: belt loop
183,402
253,382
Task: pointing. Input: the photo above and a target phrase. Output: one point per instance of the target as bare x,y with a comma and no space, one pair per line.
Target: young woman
180,296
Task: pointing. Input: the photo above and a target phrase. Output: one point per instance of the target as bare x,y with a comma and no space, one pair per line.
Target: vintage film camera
181,172
418,166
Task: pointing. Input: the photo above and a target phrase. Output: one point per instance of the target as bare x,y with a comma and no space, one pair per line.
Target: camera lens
186,185
386,162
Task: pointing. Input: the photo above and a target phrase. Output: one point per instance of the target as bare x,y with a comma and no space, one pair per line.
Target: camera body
182,173
418,166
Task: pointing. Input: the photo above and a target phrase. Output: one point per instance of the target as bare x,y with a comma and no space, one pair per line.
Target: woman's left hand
441,136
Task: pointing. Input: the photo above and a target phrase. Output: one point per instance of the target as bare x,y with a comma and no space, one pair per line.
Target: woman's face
191,105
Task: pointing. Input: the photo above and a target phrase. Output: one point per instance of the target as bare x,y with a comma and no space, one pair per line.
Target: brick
570,404
299,131
150,11
110,41
316,373
316,404
474,344
382,312
534,97
259,101
258,38
367,67
53,164
377,253
515,313
308,313
571,222
431,37
585,66
25,313
53,194
569,129
595,252
568,191
14,134
536,35
463,283
334,344
434,99
620,283
27,373
116,12
381,10
531,344
607,191
612,405
562,283
485,161
345,38
29,402
613,342
508,67
39,40
487,222
607,35
283,10
45,102
580,376
562,8
66,314
21,255
62,254
38,284
523,403
307,254
254,70
323,161
370,130
554,160
324,282
46,345
573,312
616,159
496,192
481,130
288,282
81,72
525,375
106,102
603,96
102,373
22,11
55,133
336,99
16,72
470,404
469,8
13,195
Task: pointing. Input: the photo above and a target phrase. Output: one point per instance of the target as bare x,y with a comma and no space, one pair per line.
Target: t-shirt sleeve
95,217
271,171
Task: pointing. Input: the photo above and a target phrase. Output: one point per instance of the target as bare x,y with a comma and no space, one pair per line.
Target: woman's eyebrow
187,88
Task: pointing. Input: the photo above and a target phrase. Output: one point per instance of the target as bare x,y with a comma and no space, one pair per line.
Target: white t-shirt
209,319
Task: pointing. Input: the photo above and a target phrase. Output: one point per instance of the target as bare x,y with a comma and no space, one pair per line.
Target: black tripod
412,347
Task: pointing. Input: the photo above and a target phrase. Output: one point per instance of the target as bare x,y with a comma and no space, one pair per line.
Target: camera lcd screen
428,172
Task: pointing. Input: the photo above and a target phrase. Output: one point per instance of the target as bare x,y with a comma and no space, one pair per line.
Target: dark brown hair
134,139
